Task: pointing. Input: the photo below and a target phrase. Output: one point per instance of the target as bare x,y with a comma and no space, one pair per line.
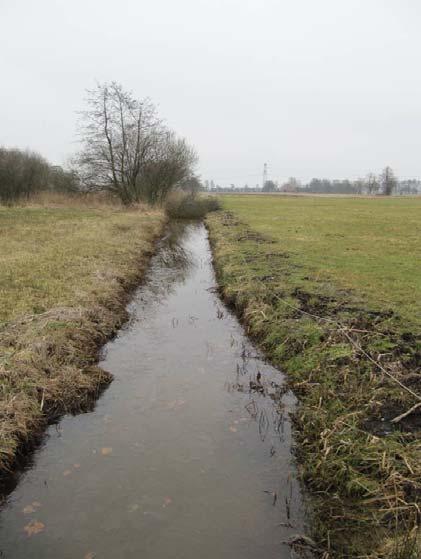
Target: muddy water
186,455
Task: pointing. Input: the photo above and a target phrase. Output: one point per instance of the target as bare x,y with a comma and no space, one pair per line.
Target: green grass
321,285
64,278
371,246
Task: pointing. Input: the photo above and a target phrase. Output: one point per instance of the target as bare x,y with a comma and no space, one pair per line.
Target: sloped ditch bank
358,458
86,273
186,454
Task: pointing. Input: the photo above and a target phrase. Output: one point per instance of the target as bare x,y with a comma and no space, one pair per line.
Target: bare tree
388,181
192,185
126,148
171,161
63,180
372,183
359,186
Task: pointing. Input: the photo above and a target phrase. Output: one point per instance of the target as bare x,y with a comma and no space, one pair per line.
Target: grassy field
64,277
371,246
330,288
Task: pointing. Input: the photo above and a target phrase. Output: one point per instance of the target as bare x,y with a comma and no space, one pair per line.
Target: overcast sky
326,88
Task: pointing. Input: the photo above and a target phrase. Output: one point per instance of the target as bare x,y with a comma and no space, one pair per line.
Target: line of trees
385,184
126,150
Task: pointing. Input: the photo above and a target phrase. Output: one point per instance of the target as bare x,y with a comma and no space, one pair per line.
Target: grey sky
316,88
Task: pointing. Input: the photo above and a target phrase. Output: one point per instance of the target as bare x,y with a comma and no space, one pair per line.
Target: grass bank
330,288
64,280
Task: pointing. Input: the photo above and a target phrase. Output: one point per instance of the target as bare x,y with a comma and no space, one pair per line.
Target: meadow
66,270
330,289
371,246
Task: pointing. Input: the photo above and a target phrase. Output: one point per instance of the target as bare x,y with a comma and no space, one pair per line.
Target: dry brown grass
46,199
67,269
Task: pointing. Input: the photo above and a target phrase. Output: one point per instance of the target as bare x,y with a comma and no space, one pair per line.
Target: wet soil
186,454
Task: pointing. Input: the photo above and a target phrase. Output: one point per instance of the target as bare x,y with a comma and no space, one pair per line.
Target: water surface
186,455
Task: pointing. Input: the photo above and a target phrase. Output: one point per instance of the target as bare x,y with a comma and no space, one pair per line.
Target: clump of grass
180,205
64,281
362,470
406,546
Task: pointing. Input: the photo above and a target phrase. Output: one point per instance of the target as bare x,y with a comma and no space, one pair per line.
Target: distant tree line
385,184
126,150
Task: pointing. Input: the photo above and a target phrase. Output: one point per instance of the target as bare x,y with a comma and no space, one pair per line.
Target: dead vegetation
69,298
356,373
75,200
182,205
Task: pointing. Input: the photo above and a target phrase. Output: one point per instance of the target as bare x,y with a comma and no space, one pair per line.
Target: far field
370,245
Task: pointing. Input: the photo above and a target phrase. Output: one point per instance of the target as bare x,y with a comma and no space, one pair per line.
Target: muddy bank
188,451
48,362
359,460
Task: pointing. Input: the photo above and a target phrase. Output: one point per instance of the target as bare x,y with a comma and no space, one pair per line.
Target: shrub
179,205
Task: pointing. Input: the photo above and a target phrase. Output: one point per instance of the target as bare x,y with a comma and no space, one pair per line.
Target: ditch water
187,454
